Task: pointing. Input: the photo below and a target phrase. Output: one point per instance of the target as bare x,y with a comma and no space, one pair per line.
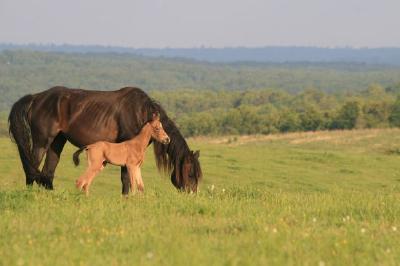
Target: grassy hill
327,198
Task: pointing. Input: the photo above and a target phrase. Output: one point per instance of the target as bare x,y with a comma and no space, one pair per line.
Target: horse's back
86,116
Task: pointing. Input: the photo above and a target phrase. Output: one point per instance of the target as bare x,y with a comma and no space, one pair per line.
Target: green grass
326,198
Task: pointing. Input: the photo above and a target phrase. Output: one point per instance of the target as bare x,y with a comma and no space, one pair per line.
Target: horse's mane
168,157
171,156
149,107
143,114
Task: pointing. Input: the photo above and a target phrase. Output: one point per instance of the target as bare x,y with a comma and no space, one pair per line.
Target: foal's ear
156,116
196,154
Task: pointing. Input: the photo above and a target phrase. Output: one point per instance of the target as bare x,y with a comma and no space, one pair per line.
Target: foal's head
157,130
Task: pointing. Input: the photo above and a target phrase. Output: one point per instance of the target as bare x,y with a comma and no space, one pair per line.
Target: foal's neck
143,138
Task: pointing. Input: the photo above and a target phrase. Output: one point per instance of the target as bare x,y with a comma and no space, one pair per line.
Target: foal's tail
75,157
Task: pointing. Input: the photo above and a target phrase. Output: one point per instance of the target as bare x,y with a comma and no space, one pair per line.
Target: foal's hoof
79,184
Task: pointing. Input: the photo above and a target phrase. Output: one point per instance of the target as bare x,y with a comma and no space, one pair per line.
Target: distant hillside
23,72
385,56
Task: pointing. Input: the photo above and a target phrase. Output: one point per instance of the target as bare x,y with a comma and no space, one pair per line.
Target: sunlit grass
278,201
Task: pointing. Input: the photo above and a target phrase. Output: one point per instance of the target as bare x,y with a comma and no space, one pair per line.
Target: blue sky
191,23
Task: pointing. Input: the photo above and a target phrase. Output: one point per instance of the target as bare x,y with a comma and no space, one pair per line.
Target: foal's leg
81,182
132,170
95,165
139,180
86,179
90,178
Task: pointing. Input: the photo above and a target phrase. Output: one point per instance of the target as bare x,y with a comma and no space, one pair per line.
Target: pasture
324,198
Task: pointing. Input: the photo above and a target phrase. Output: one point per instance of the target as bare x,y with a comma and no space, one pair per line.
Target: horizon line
44,44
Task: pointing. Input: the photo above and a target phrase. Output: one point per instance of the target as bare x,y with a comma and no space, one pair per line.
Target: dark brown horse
41,123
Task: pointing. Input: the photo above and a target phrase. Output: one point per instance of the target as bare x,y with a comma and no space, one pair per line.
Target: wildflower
363,230
275,230
321,263
223,190
314,219
394,228
149,255
212,187
20,261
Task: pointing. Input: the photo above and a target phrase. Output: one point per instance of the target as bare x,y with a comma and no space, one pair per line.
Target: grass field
324,198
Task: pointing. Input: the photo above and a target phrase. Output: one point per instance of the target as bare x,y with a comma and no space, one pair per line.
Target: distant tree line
272,111
207,112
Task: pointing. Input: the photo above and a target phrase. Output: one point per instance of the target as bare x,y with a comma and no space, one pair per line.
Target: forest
220,99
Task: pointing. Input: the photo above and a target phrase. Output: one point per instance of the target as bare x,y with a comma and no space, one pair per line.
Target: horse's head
157,131
186,176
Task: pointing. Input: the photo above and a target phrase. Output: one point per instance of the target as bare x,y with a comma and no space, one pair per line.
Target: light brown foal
129,153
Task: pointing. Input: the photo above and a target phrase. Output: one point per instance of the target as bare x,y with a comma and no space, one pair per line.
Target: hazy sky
192,23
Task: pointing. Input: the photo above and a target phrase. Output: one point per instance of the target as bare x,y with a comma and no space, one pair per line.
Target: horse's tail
75,156
20,132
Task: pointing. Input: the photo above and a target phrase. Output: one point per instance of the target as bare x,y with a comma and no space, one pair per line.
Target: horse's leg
52,159
38,150
125,180
139,180
40,145
132,170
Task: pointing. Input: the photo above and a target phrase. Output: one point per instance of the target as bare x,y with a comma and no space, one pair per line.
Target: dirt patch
334,136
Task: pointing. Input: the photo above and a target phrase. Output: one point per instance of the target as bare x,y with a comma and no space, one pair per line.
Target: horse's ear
196,154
